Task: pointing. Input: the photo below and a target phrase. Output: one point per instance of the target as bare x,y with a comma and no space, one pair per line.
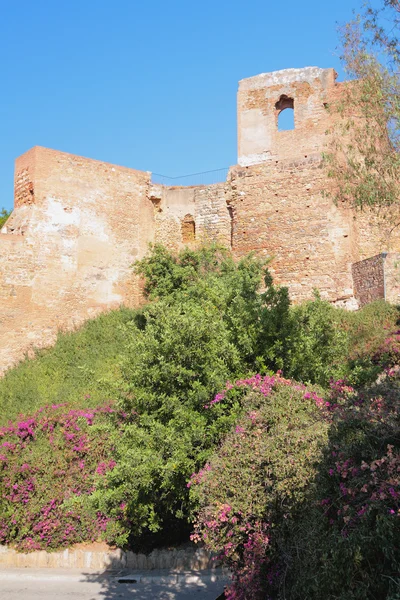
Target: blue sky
150,84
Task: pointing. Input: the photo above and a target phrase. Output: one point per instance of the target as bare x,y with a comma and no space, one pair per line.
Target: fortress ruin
79,224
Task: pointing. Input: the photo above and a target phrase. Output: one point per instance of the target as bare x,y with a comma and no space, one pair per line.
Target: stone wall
78,225
100,558
66,251
369,279
204,206
377,278
262,98
280,212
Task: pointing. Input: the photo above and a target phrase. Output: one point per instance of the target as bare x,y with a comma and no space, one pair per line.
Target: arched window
285,110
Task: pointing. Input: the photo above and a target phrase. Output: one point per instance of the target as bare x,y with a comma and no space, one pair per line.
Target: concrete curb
186,558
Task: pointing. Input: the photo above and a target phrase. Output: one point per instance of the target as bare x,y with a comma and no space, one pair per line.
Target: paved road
18,584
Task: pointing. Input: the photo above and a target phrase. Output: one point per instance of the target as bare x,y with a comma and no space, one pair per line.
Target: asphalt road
40,584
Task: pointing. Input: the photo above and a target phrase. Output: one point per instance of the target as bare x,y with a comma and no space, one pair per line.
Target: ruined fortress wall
279,206
66,251
78,225
280,212
191,215
262,98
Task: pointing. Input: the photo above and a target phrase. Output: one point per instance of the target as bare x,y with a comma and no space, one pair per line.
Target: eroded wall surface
66,251
187,216
280,212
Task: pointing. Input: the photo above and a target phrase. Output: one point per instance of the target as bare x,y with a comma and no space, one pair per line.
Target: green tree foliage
4,214
349,538
256,323
209,324
318,345
364,158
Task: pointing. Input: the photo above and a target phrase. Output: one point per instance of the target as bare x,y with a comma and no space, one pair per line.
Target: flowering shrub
388,353
302,500
251,490
50,465
354,532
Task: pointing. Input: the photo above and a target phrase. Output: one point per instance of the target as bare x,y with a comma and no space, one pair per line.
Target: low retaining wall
176,559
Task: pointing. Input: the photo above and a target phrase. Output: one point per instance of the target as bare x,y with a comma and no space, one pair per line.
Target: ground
45,584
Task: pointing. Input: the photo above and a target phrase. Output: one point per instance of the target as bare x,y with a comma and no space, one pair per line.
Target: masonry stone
78,225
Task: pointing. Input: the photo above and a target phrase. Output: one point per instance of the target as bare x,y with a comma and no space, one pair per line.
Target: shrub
302,500
204,329
256,322
252,489
50,464
351,535
318,347
81,369
171,369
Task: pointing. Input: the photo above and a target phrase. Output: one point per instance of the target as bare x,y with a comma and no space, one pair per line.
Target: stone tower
262,98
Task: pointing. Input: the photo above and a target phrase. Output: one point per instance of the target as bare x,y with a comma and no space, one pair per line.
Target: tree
363,155
4,214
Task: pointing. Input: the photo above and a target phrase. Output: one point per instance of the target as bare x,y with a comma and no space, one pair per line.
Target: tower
262,98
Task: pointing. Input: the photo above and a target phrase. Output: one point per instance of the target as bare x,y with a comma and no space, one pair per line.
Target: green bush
180,351
257,323
327,343
318,347
348,543
81,369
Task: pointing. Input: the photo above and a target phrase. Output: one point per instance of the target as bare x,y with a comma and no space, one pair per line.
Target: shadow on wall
124,585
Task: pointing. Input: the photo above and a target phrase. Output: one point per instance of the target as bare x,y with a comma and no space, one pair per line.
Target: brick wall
206,206
260,103
280,212
369,279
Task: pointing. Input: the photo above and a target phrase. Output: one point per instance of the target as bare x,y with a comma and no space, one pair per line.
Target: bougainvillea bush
351,534
50,465
252,490
302,500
